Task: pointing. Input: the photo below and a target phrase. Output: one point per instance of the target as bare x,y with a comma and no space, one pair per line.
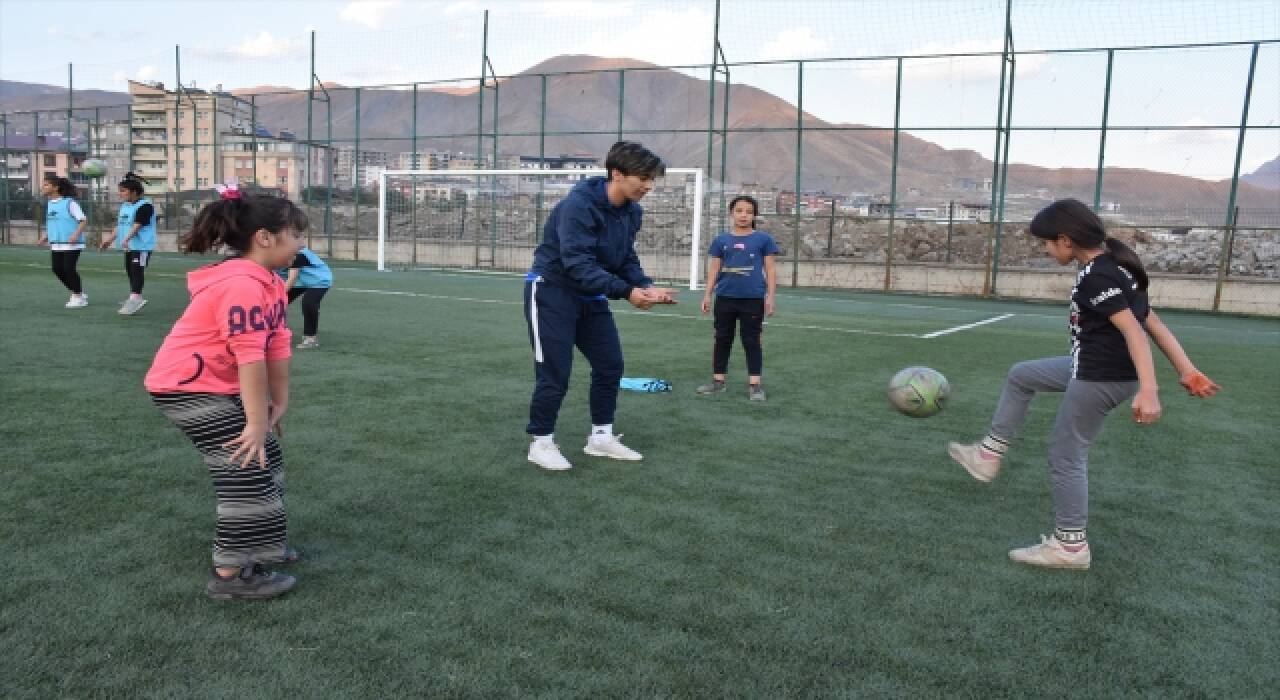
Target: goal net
493,219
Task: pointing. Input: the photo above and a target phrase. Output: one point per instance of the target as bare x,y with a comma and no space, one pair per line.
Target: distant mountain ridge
665,100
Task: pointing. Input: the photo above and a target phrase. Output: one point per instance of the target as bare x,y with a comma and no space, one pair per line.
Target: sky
236,44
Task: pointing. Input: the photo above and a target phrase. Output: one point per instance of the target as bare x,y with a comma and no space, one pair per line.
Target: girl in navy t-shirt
1110,361
743,280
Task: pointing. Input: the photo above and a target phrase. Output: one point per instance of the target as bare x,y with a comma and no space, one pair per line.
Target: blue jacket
588,245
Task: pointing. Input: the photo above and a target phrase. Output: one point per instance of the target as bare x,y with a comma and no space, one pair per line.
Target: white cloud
370,13
147,72
264,45
795,43
956,67
466,7
664,37
575,9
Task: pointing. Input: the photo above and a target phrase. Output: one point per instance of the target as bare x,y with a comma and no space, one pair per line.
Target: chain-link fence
923,185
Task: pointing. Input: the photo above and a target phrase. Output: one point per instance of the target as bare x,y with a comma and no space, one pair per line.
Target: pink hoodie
236,317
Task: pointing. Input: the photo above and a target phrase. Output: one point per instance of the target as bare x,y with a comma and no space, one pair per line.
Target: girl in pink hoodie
222,376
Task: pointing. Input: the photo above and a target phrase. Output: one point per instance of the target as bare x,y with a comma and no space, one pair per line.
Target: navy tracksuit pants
560,319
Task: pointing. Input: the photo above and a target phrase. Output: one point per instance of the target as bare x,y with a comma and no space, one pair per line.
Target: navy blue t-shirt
742,264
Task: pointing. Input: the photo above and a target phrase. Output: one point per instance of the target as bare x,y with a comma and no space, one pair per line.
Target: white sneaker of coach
610,446
546,454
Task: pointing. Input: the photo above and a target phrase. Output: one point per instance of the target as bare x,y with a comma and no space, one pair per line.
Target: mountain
665,100
1267,176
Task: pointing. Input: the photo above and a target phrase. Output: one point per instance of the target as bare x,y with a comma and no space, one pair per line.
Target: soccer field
817,544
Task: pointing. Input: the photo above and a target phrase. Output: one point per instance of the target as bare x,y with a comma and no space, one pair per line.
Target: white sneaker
131,306
610,446
981,465
547,455
78,301
1052,555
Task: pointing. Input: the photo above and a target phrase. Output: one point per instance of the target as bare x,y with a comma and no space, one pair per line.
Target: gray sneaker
308,344
131,306
715,387
755,392
252,583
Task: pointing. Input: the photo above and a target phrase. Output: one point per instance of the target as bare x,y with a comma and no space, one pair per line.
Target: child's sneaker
755,392
78,301
546,454
715,387
132,306
981,464
252,583
308,343
610,446
1052,554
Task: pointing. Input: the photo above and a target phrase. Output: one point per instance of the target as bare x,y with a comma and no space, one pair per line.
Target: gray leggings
1079,422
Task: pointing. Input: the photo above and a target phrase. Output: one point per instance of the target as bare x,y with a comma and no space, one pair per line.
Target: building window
51,161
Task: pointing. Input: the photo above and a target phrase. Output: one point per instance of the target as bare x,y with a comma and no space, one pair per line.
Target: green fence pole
311,95
356,183
1004,174
493,182
951,226
711,111
1102,135
484,60
253,139
893,179
724,145
622,91
4,174
995,154
413,184
35,168
328,152
795,209
1235,183
542,158
70,108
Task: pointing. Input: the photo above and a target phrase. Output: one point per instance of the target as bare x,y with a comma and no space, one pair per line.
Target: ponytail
1129,260
231,222
1075,220
62,185
133,182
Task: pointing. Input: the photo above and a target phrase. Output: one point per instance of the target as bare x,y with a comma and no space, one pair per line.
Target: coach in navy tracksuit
587,257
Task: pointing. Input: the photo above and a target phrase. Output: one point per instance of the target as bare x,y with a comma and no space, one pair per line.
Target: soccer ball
94,168
919,392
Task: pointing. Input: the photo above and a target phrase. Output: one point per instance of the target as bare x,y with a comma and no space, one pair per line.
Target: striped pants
250,503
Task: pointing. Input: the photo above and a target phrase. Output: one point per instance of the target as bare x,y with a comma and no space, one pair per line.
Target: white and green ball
919,392
94,168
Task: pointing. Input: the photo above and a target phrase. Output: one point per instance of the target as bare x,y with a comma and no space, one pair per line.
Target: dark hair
755,206
133,182
232,222
64,186
1075,220
631,158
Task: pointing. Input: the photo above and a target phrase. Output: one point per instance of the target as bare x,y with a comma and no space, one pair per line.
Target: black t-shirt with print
1098,350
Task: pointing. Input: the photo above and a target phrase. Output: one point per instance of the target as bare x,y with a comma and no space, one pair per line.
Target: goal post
493,219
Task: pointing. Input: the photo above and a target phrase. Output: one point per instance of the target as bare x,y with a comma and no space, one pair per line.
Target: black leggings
64,266
311,297
750,314
135,265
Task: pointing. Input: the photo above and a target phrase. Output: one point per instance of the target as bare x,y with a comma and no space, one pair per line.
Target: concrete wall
1256,296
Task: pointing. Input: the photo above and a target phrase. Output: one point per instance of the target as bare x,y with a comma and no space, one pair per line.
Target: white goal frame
695,271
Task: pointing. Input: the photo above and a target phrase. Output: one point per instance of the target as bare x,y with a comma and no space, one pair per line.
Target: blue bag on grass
645,384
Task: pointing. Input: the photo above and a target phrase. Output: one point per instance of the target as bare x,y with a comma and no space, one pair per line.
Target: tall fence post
1102,134
893,179
413,200
795,209
357,181
995,155
1004,168
951,226
622,92
1235,182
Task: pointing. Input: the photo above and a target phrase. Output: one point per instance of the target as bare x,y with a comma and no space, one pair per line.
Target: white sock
544,438
606,429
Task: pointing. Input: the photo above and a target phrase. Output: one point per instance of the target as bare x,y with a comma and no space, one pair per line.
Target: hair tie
231,190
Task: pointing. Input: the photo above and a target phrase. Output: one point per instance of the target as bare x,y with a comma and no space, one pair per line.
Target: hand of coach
644,298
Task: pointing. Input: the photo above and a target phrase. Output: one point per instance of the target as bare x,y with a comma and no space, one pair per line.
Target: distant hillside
1267,176
662,99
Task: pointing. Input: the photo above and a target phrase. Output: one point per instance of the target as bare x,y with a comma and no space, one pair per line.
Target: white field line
967,326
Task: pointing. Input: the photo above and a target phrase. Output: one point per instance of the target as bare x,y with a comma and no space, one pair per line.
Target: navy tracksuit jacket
587,257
